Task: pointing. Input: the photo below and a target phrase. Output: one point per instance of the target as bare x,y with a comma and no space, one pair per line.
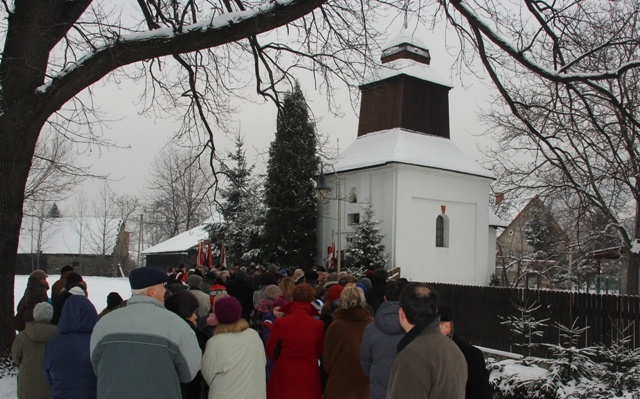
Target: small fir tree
289,235
241,208
620,365
54,211
365,250
525,328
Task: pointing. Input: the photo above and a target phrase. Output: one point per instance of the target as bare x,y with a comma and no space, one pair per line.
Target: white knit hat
43,311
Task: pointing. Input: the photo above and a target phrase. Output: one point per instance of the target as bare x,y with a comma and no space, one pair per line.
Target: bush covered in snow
596,372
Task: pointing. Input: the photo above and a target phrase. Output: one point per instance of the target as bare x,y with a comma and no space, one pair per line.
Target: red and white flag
223,257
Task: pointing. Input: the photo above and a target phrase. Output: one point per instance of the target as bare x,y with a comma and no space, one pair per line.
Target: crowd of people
195,333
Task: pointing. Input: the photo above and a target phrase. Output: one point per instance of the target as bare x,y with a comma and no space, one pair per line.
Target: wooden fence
478,312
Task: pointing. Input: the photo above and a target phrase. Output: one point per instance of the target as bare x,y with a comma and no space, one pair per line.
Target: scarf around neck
415,331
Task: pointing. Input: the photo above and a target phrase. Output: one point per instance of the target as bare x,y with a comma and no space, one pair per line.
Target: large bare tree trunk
17,142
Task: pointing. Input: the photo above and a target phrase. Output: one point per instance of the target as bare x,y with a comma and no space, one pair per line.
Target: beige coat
28,353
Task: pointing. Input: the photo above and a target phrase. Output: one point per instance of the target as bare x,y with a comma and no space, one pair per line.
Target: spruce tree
241,208
365,250
290,224
54,211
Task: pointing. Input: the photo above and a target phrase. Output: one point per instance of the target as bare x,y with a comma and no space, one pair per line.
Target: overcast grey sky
144,136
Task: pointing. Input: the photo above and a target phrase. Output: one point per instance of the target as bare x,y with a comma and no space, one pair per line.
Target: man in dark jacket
375,294
380,341
478,381
428,365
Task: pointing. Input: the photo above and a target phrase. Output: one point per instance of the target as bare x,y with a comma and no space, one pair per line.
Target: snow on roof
404,146
67,235
495,221
408,67
180,243
405,36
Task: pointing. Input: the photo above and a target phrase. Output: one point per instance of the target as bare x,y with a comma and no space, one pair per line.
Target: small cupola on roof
408,93
403,46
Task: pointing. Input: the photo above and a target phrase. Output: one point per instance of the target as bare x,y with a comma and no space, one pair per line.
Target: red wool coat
342,355
300,337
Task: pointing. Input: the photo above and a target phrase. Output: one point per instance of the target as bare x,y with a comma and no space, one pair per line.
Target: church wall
420,196
407,201
376,185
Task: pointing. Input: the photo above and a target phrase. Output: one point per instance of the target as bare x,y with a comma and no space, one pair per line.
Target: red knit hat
228,310
334,292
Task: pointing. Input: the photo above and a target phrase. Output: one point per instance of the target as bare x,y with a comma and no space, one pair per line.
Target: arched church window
442,231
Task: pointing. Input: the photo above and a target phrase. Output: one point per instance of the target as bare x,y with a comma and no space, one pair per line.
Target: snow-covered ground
98,287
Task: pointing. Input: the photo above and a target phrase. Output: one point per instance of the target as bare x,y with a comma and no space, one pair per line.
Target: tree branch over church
567,73
190,55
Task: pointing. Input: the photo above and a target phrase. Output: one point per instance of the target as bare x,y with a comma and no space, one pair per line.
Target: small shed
182,248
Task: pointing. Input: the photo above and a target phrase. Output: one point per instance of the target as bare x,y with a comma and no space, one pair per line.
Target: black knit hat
144,277
72,280
182,303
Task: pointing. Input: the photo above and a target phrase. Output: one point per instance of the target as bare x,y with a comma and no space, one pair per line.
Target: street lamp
323,191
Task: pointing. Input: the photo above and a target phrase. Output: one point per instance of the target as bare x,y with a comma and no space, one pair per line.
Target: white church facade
431,200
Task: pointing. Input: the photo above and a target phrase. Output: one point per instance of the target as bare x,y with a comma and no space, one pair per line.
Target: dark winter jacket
242,290
160,348
342,354
375,294
59,301
66,361
28,352
297,340
35,293
197,388
478,386
379,348
429,365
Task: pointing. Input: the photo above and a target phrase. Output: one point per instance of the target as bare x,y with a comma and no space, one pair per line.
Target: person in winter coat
113,300
240,287
59,285
194,282
28,352
142,350
36,292
294,346
380,341
342,342
74,286
233,364
185,304
478,386
67,363
375,295
429,365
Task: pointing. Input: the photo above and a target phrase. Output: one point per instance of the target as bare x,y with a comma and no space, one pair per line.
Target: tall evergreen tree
365,250
290,226
241,208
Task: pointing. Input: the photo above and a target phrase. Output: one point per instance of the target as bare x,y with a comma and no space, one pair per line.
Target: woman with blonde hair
286,286
342,341
234,354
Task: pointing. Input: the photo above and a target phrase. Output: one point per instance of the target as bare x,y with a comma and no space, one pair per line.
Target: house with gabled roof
532,248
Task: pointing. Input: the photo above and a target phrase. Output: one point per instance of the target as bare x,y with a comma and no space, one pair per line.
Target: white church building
432,201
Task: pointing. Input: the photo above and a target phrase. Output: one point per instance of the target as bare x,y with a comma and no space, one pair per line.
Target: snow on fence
477,312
